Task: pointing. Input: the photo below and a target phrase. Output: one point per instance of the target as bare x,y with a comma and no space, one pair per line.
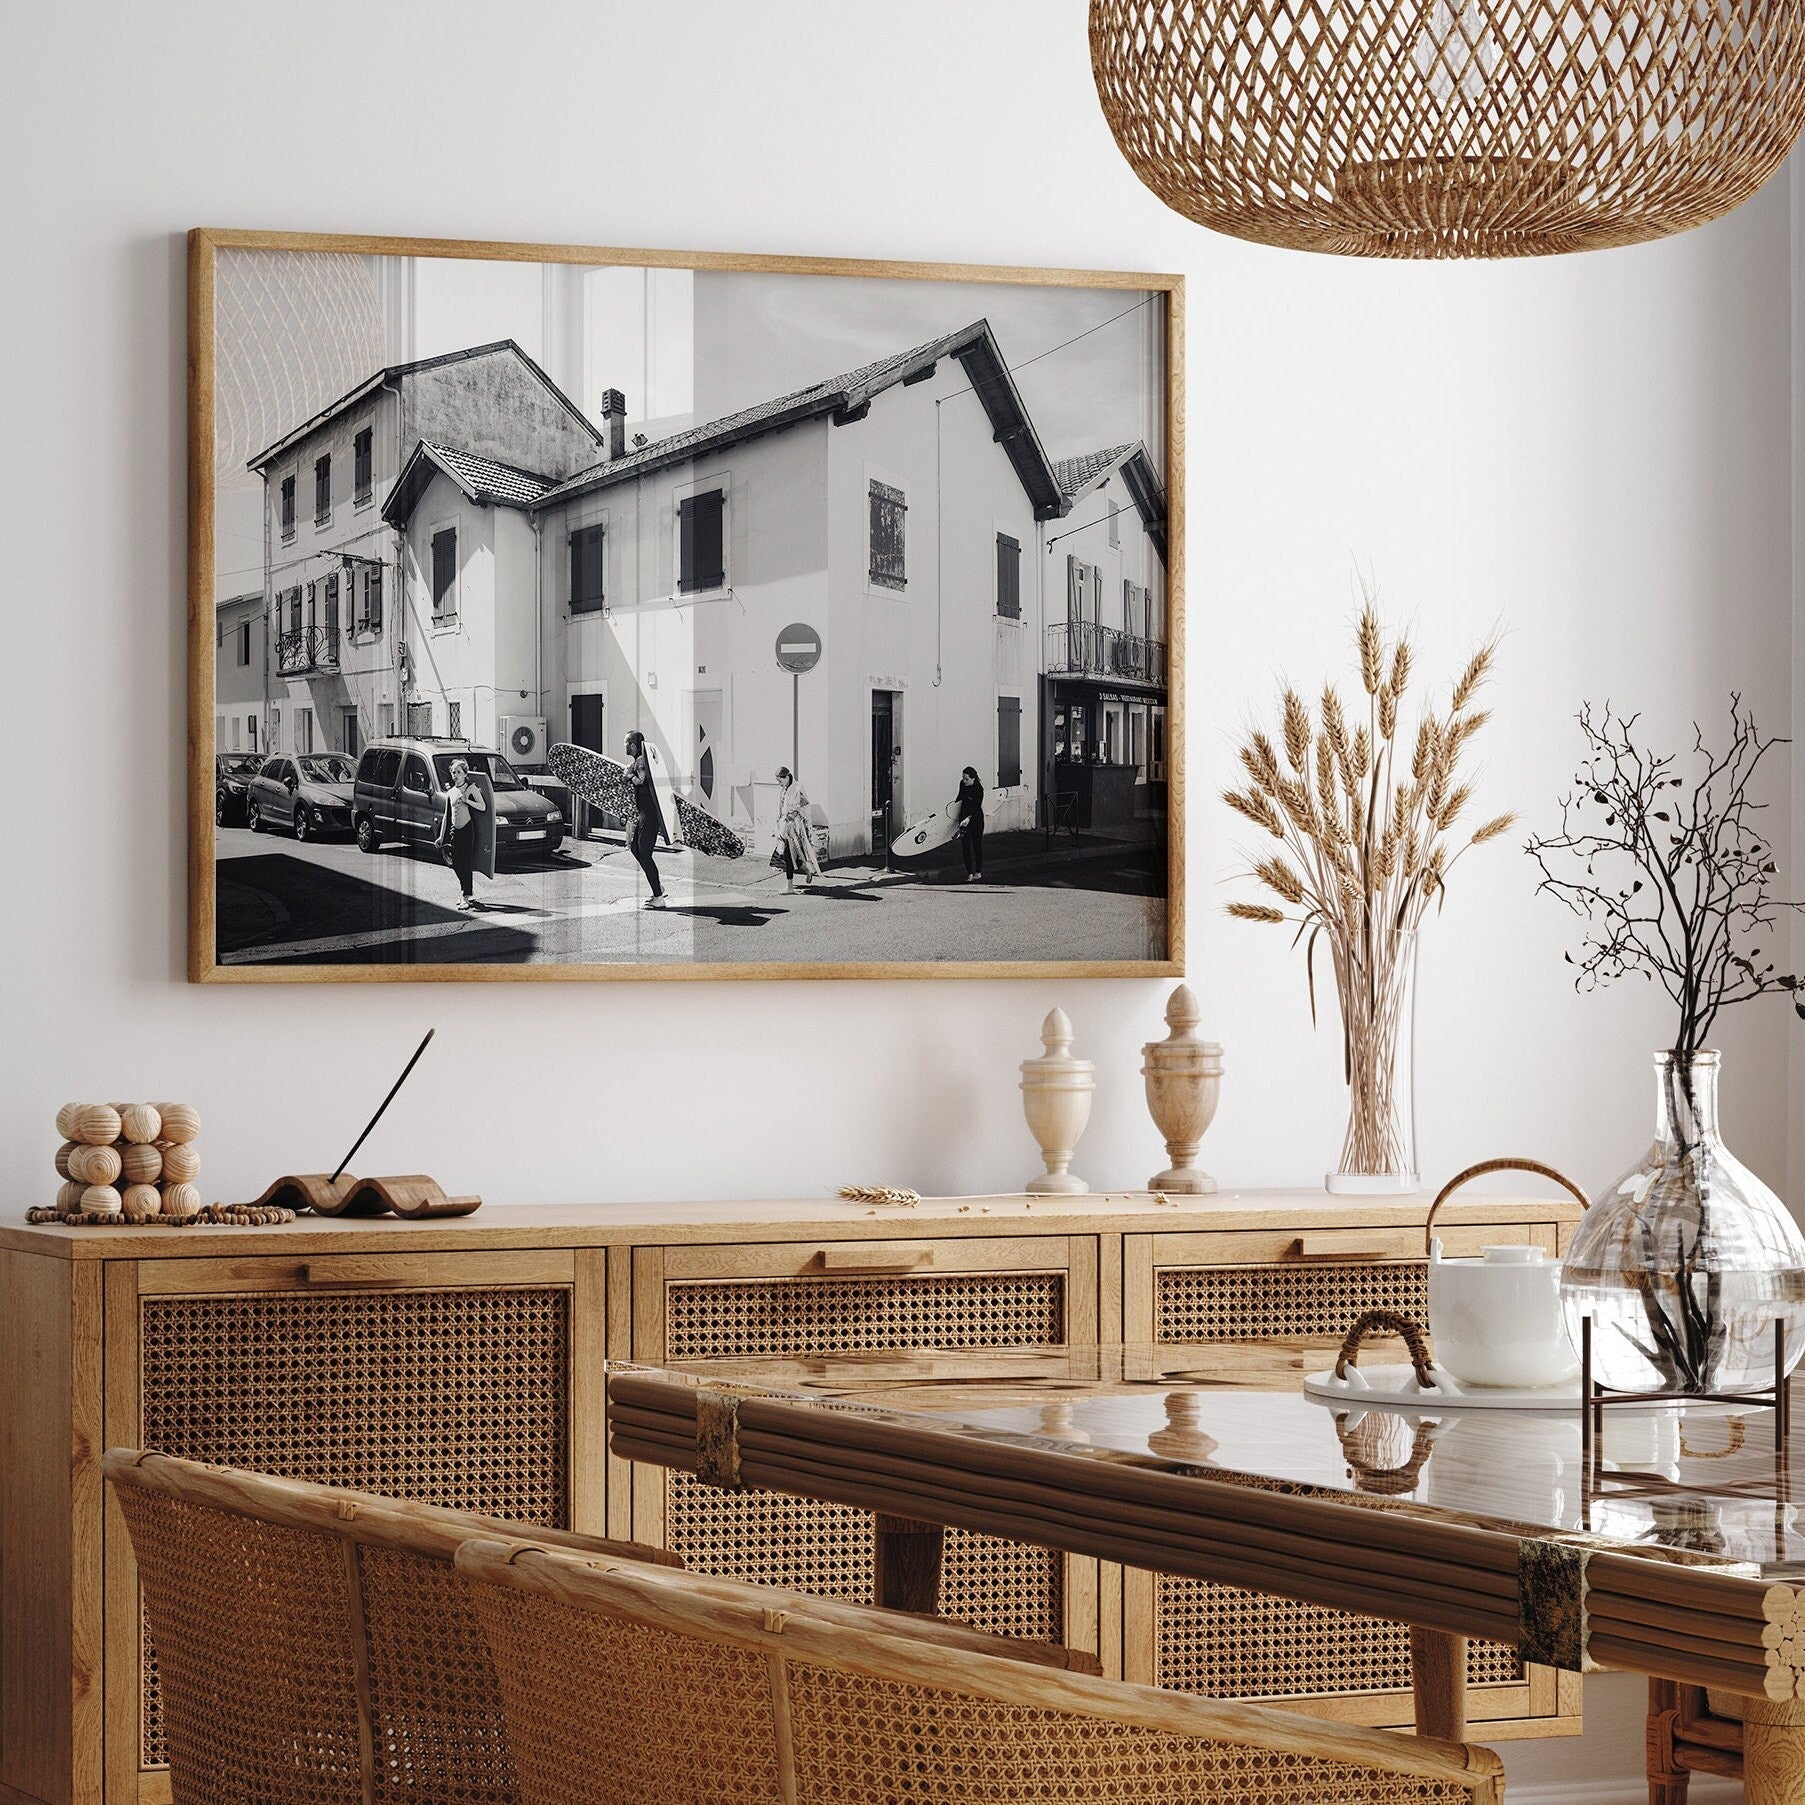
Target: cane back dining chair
316,1646
626,1685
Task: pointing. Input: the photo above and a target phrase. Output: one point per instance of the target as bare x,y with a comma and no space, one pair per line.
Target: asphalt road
328,903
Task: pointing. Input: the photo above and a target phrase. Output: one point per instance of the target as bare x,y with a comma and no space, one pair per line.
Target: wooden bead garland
130,1162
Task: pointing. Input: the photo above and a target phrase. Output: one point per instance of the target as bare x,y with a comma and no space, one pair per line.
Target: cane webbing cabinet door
458,1379
800,1298
1303,1287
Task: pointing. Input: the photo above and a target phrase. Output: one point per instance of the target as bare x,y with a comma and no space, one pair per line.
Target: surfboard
707,834
603,782
485,824
927,833
663,790
607,784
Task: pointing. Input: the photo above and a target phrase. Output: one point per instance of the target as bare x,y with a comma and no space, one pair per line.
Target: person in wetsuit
648,821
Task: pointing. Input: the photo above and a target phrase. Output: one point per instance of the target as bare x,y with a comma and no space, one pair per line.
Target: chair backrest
317,1645
636,1686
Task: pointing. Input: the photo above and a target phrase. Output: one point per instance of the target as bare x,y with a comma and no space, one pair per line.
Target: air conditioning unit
523,739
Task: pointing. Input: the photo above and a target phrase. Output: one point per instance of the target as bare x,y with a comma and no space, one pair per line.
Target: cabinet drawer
839,1297
446,1378
1303,1287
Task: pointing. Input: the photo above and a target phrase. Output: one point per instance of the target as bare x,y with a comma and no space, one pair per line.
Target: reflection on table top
1704,1479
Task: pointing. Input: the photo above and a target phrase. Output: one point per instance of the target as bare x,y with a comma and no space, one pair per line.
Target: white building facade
490,560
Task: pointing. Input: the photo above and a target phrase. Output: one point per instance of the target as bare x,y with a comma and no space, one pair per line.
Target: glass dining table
1666,1544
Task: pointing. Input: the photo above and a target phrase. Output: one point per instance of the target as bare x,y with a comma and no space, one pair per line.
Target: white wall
1592,452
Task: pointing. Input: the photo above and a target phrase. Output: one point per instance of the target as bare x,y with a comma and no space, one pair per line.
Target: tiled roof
486,480
482,479
847,395
1075,475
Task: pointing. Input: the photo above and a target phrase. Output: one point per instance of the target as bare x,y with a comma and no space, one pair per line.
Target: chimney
614,418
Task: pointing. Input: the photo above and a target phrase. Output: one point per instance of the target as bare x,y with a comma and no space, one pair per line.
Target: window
1009,577
1134,619
332,606
322,490
586,569
347,731
454,720
414,776
370,619
362,465
1114,528
244,642
586,712
250,731
385,716
235,746
419,720
701,548
384,768
1009,741
288,507
444,573
303,729
888,511
294,611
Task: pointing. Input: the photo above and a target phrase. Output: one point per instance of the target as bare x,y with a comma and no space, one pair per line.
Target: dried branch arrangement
1672,876
1366,819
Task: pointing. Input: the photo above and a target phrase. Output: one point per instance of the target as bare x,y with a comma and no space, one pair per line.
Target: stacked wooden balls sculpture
130,1160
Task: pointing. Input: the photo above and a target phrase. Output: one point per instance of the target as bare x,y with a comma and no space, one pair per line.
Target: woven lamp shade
1451,128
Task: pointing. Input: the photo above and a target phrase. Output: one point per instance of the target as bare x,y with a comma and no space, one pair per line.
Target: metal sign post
798,650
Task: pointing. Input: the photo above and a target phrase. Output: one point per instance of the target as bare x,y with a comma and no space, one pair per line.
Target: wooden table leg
1438,1677
1773,1752
909,1554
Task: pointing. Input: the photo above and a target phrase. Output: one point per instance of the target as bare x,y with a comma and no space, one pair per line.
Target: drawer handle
325,1278
849,1262
1330,1247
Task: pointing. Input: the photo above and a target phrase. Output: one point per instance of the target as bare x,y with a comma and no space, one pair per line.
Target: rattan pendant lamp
1451,128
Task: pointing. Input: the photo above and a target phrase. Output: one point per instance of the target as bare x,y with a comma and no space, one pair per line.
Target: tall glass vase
1375,979
1684,1264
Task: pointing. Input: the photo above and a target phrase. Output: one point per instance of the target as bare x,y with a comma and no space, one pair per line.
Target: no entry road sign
798,649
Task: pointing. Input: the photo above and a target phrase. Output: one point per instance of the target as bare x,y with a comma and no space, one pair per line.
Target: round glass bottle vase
1684,1264
1375,982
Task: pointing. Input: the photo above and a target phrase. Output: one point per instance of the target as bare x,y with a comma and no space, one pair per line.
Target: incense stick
390,1098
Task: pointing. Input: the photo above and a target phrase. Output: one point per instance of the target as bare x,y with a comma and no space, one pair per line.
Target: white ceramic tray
1395,1388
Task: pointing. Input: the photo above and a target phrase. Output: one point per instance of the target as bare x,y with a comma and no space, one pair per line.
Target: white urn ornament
1056,1098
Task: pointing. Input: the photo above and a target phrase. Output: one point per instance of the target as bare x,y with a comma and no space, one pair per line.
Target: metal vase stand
1595,1399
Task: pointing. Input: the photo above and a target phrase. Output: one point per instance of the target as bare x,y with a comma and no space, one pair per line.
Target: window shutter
444,570
889,512
1074,589
586,569
1009,741
1009,577
700,542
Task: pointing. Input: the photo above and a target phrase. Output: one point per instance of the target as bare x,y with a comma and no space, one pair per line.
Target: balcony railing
1082,648
307,649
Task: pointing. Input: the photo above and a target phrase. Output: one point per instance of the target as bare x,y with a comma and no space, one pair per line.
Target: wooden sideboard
461,1362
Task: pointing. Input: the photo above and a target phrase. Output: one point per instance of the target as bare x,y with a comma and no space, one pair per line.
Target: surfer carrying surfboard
968,809
463,800
648,822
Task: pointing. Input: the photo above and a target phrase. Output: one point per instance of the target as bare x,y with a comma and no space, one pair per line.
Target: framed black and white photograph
577,613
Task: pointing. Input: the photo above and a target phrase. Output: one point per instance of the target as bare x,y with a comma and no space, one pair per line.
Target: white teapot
1496,1321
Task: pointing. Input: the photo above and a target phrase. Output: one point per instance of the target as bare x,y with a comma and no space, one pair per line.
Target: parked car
309,793
400,795
232,774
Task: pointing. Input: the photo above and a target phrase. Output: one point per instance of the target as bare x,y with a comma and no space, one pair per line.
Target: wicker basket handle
1390,1482
1497,1165
1422,1362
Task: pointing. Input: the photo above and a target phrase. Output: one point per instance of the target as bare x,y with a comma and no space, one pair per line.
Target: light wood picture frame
475,504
